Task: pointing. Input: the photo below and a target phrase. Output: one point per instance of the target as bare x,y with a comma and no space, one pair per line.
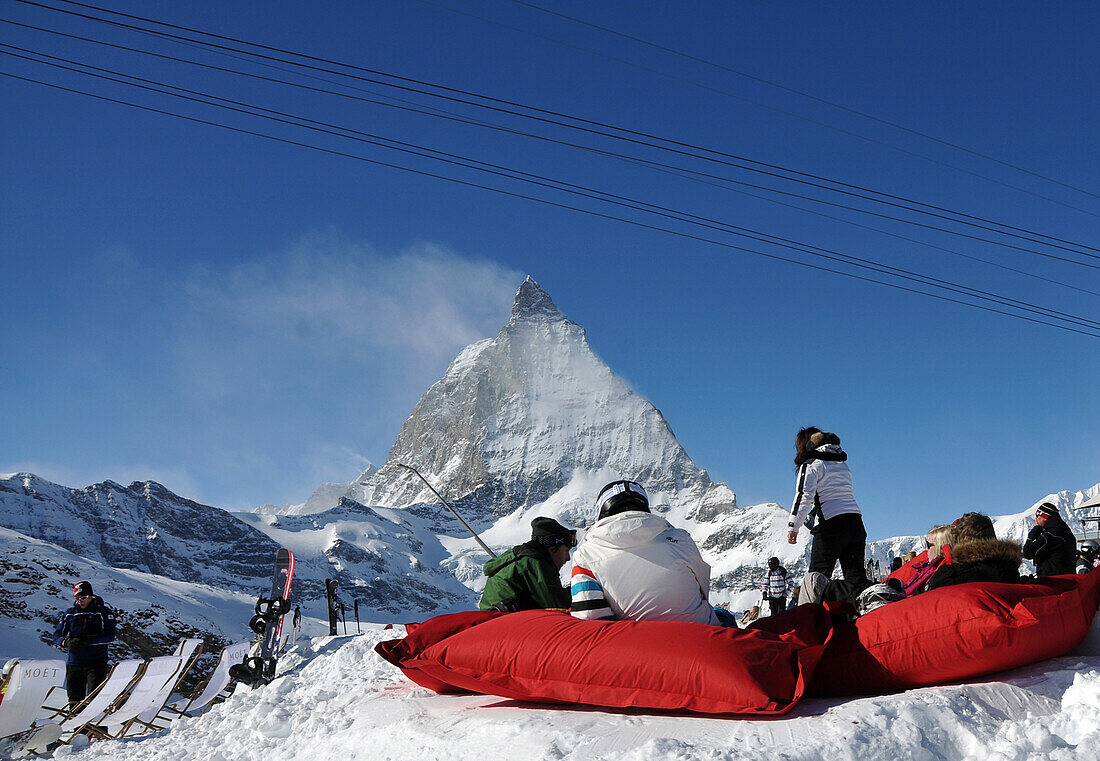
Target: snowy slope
338,700
144,527
155,612
389,560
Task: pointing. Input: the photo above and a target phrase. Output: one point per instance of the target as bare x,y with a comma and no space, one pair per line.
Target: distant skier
826,504
776,586
84,631
635,565
527,576
1051,543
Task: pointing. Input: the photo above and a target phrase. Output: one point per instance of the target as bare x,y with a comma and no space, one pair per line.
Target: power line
734,96
803,94
617,200
632,136
548,202
687,173
693,175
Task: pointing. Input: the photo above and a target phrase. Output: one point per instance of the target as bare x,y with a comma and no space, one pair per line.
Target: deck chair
188,647
217,688
24,691
136,714
94,707
149,693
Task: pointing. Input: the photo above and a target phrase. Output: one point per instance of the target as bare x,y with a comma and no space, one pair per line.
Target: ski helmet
82,589
620,496
1089,549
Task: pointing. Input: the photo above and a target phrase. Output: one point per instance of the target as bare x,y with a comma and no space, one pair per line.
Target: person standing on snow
825,496
635,565
1051,543
776,586
527,576
84,631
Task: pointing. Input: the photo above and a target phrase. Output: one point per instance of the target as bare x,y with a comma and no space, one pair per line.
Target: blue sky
242,319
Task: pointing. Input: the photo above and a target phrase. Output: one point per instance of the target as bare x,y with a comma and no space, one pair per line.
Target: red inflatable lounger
956,633
547,656
946,635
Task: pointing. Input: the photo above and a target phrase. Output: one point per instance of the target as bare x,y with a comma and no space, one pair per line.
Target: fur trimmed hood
988,550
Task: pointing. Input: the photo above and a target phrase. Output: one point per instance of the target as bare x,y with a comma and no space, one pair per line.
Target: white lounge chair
218,687
25,688
149,693
137,712
92,709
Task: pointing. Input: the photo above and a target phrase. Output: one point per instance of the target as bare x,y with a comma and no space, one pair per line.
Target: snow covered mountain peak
532,302
534,422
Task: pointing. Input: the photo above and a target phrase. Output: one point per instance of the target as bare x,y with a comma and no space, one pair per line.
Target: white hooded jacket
824,487
637,566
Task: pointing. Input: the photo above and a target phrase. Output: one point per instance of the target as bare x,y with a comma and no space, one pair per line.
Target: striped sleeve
589,601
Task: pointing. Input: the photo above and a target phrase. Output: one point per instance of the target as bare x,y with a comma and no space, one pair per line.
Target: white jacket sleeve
804,496
589,601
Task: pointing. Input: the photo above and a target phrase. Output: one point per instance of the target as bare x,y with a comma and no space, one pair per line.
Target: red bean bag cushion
956,633
906,572
547,656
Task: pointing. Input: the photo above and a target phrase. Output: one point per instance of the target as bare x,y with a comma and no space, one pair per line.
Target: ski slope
337,700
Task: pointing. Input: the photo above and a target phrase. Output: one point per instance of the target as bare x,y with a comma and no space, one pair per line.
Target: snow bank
338,700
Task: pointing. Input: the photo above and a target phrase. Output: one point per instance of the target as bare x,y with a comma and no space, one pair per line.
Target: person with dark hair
1051,544
826,504
978,555
776,586
85,631
635,565
527,576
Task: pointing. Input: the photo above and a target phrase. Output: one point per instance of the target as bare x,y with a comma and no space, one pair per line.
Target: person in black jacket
1051,543
978,555
84,631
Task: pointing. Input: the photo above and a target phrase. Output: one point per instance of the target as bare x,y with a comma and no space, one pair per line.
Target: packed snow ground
337,700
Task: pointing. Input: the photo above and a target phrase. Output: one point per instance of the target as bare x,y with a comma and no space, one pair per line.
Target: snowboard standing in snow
258,668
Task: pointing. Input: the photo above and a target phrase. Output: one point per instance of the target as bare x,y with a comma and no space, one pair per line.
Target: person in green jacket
527,576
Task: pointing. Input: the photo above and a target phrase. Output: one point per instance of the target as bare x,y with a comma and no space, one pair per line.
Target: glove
75,643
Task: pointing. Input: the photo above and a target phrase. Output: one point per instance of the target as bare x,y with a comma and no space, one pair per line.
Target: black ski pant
777,604
841,538
80,681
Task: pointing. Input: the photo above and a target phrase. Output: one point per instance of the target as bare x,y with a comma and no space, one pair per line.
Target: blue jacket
94,624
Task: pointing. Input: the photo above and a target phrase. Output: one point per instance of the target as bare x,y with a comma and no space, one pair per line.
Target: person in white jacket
635,565
826,504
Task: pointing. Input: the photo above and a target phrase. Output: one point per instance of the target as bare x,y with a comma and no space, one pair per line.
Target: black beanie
82,588
1047,509
549,533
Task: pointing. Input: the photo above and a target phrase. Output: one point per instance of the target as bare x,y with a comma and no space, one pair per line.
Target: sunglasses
83,597
927,544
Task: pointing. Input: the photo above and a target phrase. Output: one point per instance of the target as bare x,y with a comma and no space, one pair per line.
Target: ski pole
453,511
343,618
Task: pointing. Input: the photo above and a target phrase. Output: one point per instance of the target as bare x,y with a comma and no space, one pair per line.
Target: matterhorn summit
534,419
